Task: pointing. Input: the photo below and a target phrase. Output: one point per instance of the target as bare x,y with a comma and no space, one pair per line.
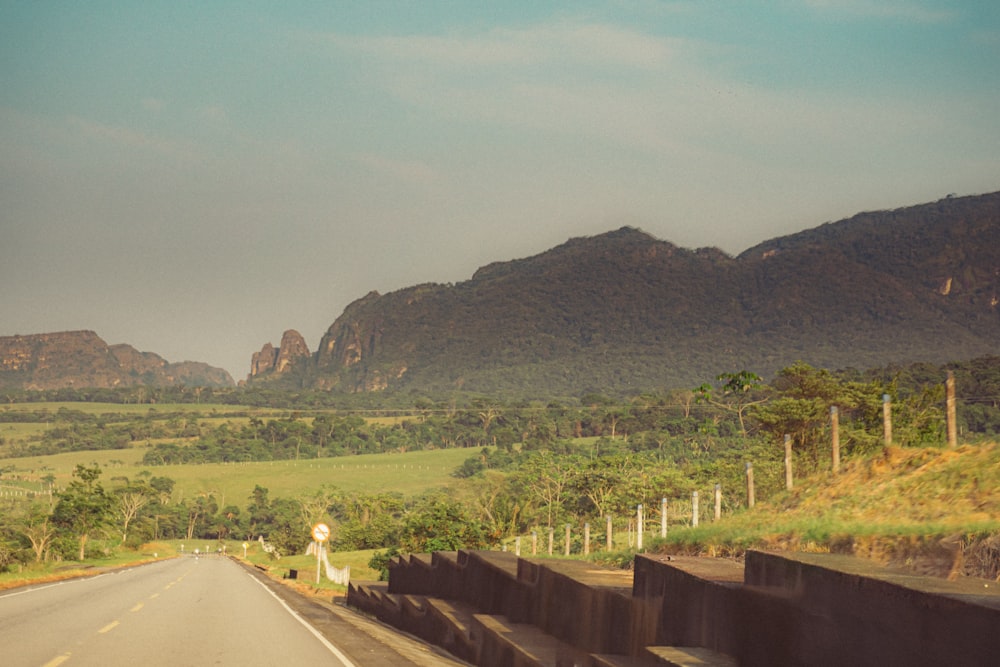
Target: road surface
190,611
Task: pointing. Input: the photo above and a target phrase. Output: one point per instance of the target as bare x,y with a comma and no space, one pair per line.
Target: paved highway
189,611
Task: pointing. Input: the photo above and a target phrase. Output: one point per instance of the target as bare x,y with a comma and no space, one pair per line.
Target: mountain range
621,312
82,359
624,312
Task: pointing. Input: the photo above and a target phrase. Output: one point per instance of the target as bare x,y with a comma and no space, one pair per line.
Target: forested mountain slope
622,311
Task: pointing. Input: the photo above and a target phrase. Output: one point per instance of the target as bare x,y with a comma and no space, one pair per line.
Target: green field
142,409
409,473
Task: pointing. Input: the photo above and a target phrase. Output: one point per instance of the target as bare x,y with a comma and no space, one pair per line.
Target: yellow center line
137,607
109,627
58,660
154,595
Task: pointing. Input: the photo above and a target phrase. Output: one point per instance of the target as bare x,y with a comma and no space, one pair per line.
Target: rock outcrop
278,360
82,359
623,312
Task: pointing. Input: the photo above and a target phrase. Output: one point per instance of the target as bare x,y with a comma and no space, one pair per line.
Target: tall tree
84,506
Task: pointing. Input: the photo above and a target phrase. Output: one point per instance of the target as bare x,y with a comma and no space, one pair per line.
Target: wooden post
517,545
610,543
835,436
566,551
638,527
534,543
718,502
586,539
663,517
887,418
788,462
750,489
694,509
550,540
949,388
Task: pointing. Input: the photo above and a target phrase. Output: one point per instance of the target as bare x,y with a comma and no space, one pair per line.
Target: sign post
320,533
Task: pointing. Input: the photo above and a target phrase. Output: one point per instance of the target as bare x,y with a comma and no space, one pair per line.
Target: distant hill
623,311
82,359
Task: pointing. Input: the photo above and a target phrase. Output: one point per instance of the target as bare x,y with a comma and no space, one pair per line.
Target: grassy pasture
141,409
409,473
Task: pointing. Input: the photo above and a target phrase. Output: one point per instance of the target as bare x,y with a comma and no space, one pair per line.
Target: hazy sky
193,178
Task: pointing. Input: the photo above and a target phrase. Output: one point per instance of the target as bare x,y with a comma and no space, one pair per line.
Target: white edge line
333,649
35,589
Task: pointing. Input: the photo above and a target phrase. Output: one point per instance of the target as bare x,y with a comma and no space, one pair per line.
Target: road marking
109,627
58,660
154,595
344,660
35,589
137,607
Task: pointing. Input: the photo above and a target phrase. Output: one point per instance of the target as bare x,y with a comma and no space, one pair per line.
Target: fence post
788,462
638,527
586,539
750,489
608,535
887,418
949,388
550,540
534,543
694,509
835,437
566,552
663,517
718,502
517,545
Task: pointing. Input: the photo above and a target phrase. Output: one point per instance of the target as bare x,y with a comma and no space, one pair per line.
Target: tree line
530,466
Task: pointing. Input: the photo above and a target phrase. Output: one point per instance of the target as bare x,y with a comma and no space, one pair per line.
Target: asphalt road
190,611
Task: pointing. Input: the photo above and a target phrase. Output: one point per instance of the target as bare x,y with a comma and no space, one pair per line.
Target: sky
195,178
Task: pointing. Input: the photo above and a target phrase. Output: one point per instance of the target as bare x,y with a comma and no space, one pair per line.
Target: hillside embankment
930,511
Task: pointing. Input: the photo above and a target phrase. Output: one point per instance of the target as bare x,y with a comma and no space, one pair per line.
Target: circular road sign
321,532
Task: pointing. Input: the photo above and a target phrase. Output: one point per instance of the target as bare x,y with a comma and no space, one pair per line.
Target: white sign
321,532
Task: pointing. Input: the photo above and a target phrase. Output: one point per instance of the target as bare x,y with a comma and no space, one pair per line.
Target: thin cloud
883,9
410,171
134,139
565,42
152,104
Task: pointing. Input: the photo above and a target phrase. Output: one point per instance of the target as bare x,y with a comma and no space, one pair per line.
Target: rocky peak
277,360
83,359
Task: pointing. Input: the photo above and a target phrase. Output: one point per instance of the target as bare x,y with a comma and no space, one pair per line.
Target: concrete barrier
776,609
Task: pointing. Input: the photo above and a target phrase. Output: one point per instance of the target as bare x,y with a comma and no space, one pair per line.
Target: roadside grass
305,565
52,571
898,506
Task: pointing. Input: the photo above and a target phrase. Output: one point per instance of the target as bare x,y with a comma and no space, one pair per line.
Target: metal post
586,539
788,462
663,517
638,527
949,388
750,489
835,437
887,418
694,509
610,543
566,551
718,502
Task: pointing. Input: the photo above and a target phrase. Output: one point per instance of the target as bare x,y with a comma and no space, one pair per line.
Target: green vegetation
478,475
